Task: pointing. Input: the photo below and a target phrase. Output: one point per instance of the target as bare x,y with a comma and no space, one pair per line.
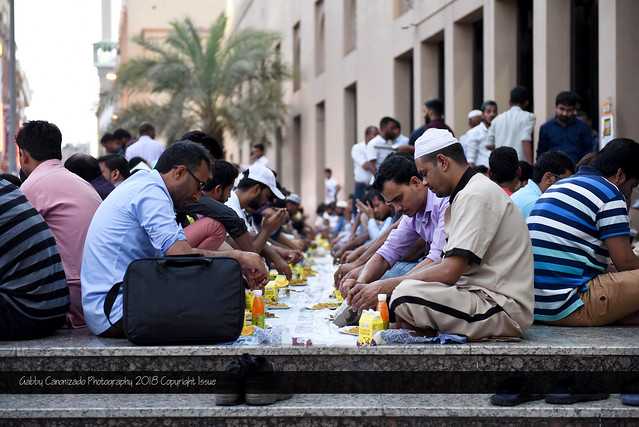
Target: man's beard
254,205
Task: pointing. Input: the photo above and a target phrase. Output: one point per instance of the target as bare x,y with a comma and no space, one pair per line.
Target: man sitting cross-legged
402,187
483,287
137,221
577,228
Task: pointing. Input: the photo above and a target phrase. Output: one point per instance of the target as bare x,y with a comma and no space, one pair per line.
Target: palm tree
206,82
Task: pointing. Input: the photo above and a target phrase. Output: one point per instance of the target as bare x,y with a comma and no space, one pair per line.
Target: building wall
392,34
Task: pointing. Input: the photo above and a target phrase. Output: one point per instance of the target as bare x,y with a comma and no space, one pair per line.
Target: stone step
320,409
609,349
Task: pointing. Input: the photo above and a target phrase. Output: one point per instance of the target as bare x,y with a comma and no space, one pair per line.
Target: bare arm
252,265
373,269
528,151
362,296
621,253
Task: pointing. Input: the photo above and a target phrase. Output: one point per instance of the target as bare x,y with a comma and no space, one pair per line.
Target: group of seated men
64,246
450,246
467,258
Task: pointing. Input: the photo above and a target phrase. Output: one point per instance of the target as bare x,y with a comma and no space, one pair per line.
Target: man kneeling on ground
483,287
138,221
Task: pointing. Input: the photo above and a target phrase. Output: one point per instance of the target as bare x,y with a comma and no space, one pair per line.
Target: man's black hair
215,148
246,182
134,161
11,178
398,168
106,138
116,162
224,174
486,104
620,153
567,98
481,169
454,152
121,134
385,121
260,147
525,170
397,123
328,170
185,153
146,129
372,194
519,95
504,164
84,166
42,140
554,162
435,105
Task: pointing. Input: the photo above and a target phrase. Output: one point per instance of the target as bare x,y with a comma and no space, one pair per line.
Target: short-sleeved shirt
378,149
358,154
484,226
31,274
427,224
573,138
67,203
136,221
475,145
147,148
330,190
525,198
568,228
211,208
510,128
234,203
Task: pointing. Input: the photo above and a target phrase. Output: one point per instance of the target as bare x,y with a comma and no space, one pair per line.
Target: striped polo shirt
568,226
32,279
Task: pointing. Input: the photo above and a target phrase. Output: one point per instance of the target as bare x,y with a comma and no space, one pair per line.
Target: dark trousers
360,190
115,331
16,326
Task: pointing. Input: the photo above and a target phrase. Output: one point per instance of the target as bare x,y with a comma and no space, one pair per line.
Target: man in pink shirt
65,201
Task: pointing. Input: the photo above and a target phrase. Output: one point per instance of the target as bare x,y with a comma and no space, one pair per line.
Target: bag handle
184,262
109,300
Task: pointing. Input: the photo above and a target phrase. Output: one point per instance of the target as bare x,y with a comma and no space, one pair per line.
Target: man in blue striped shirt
577,228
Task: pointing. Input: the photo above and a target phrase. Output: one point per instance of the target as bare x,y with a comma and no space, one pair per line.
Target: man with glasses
548,169
137,221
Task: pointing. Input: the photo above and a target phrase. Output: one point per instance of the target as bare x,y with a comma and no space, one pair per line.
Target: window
297,66
584,70
478,63
350,25
404,100
320,37
525,48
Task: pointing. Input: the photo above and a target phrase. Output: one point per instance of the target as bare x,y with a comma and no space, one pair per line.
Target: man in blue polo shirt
564,132
137,221
577,227
549,168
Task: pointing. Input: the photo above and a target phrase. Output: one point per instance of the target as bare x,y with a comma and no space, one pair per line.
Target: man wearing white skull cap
483,287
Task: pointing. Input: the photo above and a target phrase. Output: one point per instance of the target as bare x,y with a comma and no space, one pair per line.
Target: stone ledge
300,406
540,341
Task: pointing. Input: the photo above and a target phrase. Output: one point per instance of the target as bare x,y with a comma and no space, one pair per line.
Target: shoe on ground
513,399
630,399
236,372
570,398
263,384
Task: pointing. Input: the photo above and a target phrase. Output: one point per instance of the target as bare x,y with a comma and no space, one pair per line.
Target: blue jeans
399,269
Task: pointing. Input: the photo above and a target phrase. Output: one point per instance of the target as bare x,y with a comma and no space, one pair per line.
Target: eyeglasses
201,184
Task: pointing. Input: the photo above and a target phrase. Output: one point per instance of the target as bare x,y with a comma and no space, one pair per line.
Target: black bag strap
184,262
109,300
